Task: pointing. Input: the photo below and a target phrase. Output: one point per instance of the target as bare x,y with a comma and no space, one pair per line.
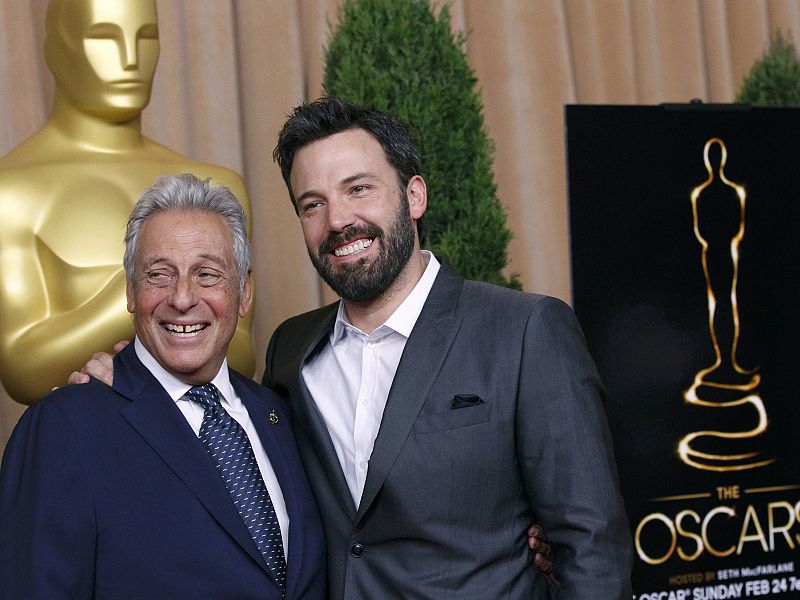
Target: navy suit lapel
157,419
421,362
276,438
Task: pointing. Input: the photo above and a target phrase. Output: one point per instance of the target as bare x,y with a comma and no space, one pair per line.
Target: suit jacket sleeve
567,457
47,544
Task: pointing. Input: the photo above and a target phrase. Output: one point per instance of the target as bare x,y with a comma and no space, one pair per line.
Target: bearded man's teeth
356,247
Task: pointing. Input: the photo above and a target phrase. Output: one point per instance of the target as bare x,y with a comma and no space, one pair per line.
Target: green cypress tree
774,80
397,56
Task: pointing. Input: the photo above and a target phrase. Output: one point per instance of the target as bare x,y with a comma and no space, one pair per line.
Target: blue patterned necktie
228,445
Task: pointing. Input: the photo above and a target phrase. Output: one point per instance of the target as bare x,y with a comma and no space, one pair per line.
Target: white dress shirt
350,378
236,409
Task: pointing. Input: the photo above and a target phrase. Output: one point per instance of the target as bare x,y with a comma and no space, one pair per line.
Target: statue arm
40,346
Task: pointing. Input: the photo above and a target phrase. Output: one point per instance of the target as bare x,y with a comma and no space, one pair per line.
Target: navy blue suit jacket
108,493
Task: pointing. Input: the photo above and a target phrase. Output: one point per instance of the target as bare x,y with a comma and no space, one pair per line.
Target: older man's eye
158,278
208,278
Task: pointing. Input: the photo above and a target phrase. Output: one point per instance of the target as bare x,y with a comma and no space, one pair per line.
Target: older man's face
185,296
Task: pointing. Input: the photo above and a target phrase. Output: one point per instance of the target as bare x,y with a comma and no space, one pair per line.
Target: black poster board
685,240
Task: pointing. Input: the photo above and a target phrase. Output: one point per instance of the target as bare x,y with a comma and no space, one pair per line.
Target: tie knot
206,395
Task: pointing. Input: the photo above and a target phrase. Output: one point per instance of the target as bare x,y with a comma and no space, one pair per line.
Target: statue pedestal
737,406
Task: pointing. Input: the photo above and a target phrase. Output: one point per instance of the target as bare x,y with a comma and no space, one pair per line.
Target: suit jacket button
357,550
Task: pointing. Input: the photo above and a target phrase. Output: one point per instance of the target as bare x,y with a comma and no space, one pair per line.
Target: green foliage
774,80
397,56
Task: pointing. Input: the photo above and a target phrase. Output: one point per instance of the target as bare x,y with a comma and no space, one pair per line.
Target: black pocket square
465,400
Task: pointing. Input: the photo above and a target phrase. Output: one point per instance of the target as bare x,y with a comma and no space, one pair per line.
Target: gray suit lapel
422,359
310,419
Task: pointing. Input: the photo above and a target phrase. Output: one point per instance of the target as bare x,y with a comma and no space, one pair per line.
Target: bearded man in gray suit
437,417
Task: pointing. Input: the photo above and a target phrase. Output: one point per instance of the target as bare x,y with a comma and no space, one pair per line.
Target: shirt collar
403,319
174,386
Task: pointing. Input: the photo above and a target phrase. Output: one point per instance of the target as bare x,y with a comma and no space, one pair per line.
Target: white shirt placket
366,426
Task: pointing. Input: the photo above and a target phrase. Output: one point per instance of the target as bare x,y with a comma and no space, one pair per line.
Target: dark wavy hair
328,115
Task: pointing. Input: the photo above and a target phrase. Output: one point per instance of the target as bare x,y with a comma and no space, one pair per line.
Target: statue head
103,54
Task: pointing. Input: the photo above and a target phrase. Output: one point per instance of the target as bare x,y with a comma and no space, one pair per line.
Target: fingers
105,359
545,565
543,562
540,547
537,531
76,377
537,540
100,366
543,557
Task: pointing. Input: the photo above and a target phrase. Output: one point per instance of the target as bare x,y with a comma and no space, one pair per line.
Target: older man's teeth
184,330
356,247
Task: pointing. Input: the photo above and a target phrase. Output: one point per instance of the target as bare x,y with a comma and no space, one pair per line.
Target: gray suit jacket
494,420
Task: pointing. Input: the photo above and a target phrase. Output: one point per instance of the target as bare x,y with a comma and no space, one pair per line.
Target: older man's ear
246,299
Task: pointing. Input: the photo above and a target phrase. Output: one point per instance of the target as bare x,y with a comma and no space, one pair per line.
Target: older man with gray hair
183,480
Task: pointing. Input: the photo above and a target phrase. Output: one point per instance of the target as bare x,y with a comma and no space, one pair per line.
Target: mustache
348,235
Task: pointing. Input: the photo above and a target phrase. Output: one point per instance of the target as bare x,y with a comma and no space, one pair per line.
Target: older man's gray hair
186,193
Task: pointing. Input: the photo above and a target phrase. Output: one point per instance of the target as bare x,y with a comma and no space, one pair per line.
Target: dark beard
360,282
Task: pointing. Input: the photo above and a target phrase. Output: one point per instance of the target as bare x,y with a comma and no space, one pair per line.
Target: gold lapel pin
273,417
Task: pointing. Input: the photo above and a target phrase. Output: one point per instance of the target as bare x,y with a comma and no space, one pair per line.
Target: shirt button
357,550
363,465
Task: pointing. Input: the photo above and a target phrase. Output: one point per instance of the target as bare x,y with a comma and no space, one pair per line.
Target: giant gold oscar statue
66,192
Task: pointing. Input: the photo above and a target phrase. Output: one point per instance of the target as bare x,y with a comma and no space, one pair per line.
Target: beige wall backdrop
230,70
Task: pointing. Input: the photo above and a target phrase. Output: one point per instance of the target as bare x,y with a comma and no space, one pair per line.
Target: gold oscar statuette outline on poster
741,392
